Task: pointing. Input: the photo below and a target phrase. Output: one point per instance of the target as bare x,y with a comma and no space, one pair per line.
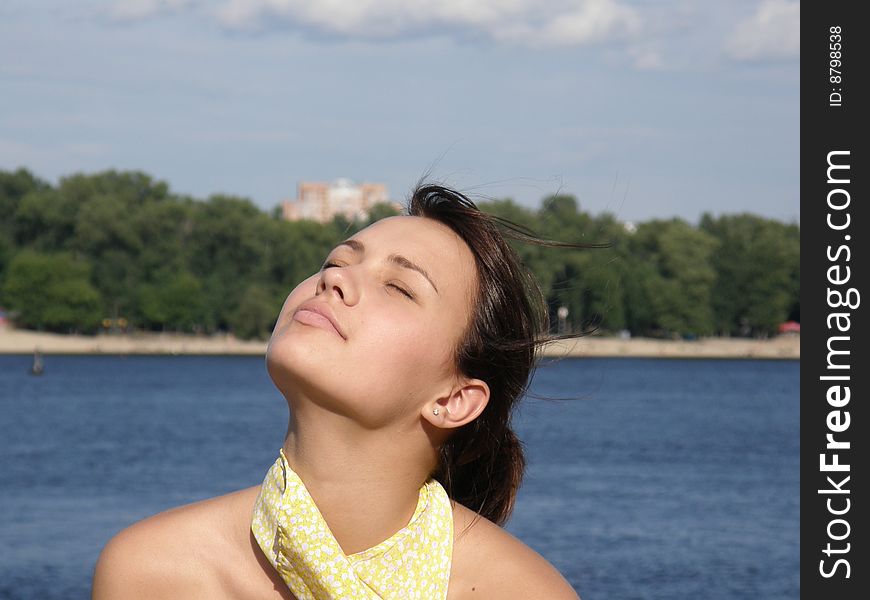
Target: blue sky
644,109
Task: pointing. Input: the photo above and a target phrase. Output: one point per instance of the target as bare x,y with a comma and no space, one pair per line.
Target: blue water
657,479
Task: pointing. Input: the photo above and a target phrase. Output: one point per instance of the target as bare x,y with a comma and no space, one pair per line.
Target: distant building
322,201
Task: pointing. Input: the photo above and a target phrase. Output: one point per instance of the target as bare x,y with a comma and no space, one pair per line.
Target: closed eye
328,265
404,291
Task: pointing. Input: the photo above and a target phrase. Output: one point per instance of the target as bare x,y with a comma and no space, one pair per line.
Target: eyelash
405,292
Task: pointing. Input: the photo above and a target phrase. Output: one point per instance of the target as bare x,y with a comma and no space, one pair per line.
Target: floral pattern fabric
412,564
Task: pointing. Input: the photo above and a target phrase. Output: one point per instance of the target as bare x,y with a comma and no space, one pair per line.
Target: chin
285,359
305,372
296,365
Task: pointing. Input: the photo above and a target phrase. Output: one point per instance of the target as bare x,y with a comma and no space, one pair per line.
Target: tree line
120,249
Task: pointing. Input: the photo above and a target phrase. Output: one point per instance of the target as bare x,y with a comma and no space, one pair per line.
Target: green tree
105,234
256,313
6,251
535,258
167,261
589,284
671,262
44,220
51,291
164,232
228,253
174,302
15,185
508,209
598,276
758,273
294,251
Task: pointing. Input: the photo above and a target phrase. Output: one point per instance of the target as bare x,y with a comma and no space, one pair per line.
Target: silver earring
435,412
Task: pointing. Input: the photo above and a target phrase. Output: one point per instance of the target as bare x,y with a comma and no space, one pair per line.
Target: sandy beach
14,341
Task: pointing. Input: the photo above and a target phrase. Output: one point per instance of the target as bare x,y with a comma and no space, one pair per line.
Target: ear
461,406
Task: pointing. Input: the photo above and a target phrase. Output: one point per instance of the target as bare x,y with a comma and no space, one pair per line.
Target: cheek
396,373
408,353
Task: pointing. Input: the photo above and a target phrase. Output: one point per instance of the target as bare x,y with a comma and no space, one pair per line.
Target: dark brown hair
481,465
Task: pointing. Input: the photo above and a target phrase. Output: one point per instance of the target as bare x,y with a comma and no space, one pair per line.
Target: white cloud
646,58
772,32
134,10
593,21
570,22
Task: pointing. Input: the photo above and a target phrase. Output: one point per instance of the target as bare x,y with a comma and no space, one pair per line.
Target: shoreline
25,342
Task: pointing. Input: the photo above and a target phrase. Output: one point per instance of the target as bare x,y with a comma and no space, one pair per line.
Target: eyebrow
396,259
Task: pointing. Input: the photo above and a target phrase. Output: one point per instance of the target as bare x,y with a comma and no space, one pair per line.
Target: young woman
401,361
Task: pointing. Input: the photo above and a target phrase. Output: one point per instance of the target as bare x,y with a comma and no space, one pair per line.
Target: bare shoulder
489,562
171,554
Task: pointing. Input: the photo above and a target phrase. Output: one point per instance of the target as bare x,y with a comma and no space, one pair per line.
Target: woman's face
392,351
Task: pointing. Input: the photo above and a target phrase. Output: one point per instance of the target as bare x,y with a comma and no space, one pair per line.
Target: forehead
429,243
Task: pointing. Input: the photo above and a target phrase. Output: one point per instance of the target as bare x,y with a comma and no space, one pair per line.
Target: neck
366,483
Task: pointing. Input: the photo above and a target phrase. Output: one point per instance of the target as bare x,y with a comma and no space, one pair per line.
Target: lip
318,315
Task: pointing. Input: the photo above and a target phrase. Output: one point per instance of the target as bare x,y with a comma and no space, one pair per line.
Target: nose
338,281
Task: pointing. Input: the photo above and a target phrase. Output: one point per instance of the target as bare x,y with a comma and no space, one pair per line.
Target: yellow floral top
413,563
